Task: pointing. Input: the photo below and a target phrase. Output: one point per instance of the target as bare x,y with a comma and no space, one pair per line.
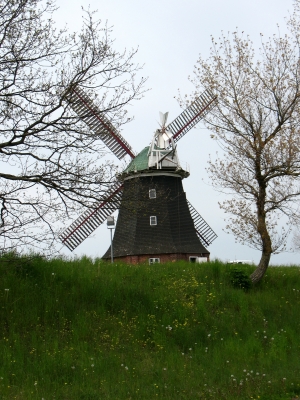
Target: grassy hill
90,330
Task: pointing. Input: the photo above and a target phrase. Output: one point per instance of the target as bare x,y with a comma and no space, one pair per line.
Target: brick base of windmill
162,258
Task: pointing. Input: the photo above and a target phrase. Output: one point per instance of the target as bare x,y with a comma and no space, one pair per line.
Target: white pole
111,225
111,247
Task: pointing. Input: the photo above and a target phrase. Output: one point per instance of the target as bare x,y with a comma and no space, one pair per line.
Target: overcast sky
170,35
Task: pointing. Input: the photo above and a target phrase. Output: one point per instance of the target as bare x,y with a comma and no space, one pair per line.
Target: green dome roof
139,163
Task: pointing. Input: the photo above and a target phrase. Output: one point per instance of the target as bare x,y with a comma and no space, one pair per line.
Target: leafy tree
50,163
256,123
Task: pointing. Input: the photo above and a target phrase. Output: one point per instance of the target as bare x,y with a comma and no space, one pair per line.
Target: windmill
156,222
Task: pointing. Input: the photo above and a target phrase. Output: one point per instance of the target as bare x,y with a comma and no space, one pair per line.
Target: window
152,194
193,259
153,221
154,261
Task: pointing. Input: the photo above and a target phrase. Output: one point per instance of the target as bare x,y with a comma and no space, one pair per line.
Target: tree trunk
261,268
262,227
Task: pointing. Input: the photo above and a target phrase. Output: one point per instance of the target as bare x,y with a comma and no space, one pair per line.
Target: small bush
239,279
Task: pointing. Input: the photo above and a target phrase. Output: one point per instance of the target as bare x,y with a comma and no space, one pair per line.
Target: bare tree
50,162
256,123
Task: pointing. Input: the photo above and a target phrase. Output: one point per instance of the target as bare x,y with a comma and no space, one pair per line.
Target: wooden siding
174,233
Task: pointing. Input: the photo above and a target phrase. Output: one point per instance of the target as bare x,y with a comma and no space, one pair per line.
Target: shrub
239,279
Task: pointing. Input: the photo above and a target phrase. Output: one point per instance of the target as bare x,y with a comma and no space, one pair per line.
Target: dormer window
153,220
152,194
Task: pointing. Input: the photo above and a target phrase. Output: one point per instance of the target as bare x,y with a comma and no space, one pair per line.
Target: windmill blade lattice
98,123
205,233
192,115
90,220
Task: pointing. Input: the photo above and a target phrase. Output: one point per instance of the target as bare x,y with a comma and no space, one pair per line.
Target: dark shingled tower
158,193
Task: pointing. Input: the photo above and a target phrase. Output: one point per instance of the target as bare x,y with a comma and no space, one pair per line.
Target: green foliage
239,279
86,329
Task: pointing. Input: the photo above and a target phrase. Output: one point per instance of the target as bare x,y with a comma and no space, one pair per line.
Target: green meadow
89,330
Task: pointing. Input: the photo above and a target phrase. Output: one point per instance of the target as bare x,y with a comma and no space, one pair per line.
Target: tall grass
89,330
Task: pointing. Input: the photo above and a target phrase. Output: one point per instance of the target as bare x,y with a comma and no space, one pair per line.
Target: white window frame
153,220
152,194
154,260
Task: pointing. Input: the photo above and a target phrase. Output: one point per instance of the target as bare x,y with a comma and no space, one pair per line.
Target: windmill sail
84,225
98,123
192,115
205,233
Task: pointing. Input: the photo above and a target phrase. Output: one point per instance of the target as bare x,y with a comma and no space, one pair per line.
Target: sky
170,35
